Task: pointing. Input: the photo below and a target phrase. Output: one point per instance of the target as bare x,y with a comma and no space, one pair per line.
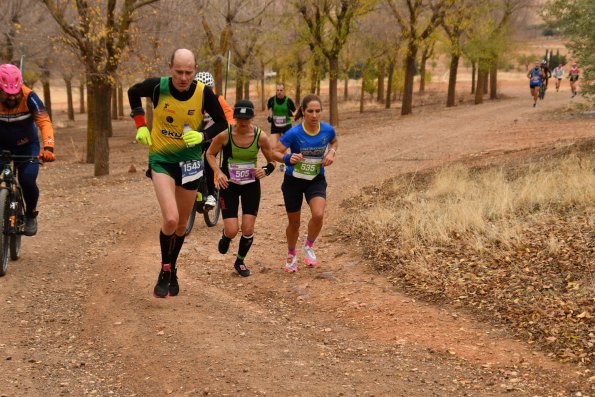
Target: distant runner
535,76
280,110
573,75
558,74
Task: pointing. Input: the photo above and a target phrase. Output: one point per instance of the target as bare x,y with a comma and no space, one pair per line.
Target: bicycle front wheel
191,219
4,226
211,215
15,238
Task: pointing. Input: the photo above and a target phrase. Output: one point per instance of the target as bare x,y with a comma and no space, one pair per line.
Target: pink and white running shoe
309,256
291,264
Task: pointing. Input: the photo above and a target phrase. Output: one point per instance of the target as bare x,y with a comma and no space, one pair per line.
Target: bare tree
245,47
427,52
10,20
417,20
329,23
218,19
457,23
100,33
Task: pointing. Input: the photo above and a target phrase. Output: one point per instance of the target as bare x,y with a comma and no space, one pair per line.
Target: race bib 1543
191,170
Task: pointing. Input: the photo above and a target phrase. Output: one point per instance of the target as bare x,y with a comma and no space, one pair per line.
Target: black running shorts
295,189
229,199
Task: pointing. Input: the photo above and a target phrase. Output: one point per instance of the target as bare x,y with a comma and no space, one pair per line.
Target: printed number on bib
191,170
307,169
280,121
241,173
535,79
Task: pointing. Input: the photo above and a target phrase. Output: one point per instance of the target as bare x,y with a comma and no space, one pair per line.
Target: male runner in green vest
280,111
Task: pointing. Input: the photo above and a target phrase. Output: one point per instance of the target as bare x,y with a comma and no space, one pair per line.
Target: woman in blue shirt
313,146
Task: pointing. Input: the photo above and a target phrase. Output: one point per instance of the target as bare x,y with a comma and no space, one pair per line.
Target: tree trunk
479,90
90,123
452,80
346,89
407,103
298,83
239,87
120,101
422,72
114,105
318,87
47,95
473,72
218,69
486,79
389,85
381,70
82,97
313,77
362,91
101,114
263,99
69,103
333,80
494,80
247,88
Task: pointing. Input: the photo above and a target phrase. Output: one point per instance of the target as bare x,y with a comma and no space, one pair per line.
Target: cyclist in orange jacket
22,114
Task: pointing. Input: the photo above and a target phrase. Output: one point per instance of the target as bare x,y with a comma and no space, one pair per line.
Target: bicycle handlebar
7,155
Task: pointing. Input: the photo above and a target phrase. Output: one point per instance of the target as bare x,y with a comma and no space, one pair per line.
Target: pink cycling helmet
11,80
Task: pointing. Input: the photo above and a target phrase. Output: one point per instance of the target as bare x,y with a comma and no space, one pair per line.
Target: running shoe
223,245
210,201
162,287
174,287
309,256
241,268
291,264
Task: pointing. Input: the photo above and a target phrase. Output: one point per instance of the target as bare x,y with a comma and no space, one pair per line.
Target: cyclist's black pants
27,174
209,173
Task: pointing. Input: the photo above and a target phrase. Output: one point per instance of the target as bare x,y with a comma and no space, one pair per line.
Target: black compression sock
167,246
177,246
244,247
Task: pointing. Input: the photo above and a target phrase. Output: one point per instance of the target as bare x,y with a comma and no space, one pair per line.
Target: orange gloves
47,155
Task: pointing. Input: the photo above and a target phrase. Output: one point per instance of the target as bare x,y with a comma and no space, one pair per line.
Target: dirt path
79,317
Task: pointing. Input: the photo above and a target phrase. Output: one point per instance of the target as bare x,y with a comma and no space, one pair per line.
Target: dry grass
510,243
484,205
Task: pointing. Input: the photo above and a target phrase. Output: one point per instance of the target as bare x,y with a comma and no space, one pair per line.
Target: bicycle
12,208
542,89
210,214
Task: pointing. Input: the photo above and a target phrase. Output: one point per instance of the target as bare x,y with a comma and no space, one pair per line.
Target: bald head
182,54
182,67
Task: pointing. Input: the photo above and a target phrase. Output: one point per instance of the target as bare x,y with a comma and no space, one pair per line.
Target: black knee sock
244,247
177,246
167,247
